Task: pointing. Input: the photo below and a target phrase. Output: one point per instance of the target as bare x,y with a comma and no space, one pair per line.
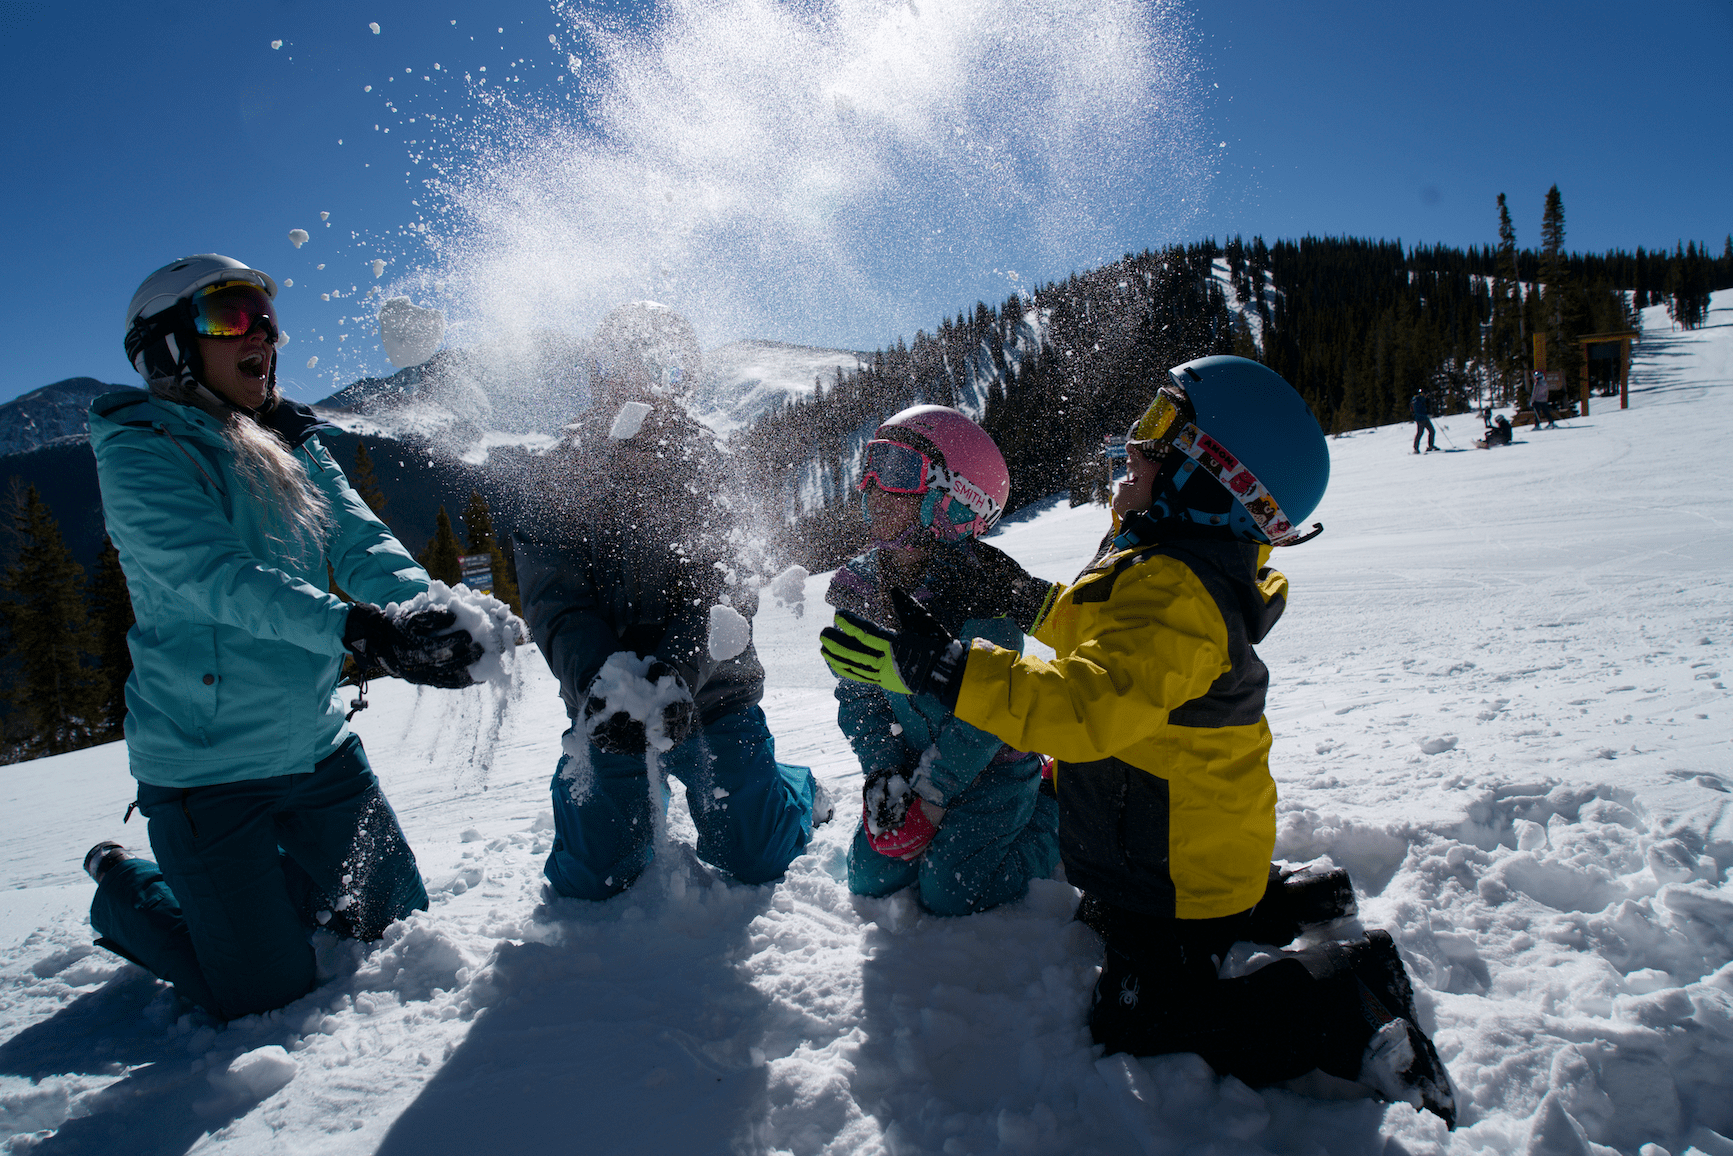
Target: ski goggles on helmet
232,309
896,468
1160,424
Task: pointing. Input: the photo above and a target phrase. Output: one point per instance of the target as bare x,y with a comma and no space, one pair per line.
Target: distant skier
1537,400
1422,411
1153,705
264,816
623,556
947,806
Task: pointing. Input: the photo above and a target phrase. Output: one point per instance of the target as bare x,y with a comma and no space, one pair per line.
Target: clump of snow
298,237
276,44
374,25
789,589
288,282
409,332
730,632
629,421
488,620
623,684
313,361
378,267
324,215
1438,745
247,1079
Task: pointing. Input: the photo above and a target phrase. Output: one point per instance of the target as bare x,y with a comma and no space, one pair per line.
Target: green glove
921,658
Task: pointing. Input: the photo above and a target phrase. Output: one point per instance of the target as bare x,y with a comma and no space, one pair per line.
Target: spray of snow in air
800,172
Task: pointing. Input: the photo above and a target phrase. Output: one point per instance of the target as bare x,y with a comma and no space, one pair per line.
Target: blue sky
832,176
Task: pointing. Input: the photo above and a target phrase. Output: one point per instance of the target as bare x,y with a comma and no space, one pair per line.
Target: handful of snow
489,621
623,684
409,333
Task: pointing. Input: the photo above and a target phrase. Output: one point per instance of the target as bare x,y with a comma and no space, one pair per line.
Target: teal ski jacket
239,644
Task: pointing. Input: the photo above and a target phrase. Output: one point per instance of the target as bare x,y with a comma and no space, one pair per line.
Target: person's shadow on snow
633,1028
163,1106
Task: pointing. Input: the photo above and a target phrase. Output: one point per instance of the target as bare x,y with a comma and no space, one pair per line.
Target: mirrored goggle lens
232,309
1170,409
895,467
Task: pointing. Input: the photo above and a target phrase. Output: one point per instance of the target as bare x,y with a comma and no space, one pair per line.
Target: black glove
921,658
420,647
618,733
989,583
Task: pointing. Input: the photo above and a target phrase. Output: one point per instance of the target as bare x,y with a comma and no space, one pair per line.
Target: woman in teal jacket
264,816
947,806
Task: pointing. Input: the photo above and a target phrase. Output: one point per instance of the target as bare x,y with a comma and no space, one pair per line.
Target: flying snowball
312,361
378,267
629,421
276,44
288,282
298,237
730,633
324,216
374,24
410,333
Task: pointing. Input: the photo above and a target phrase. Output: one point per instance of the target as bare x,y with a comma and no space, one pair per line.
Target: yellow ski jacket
1153,707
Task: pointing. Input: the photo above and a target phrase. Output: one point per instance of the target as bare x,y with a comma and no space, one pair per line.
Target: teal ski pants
753,814
245,870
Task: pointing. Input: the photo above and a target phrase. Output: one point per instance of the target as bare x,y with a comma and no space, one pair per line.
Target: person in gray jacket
624,559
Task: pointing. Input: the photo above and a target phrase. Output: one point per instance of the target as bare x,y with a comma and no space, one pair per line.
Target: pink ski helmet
967,482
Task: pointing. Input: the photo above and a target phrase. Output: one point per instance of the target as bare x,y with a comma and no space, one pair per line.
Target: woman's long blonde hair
279,480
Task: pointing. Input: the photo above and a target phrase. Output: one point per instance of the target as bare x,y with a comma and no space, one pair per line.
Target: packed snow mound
488,620
648,345
409,333
623,684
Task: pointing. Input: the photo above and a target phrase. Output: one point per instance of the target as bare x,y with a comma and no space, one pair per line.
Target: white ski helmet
159,338
644,349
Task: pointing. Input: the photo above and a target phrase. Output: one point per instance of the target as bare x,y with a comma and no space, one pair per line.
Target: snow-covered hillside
1499,698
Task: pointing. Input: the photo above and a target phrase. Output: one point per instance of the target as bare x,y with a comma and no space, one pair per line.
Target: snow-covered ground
1499,700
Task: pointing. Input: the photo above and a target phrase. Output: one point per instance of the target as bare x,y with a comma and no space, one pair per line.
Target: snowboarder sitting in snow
265,818
625,560
946,805
1154,706
1497,430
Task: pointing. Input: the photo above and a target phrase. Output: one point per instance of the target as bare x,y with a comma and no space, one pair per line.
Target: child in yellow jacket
1154,708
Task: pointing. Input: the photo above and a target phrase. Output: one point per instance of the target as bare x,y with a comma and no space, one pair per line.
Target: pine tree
111,612
1507,334
56,699
440,558
1554,275
366,482
478,529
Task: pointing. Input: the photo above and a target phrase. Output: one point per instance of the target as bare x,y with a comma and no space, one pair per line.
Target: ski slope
1499,699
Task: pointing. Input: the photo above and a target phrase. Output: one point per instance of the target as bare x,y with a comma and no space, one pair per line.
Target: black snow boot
1297,899
1375,1037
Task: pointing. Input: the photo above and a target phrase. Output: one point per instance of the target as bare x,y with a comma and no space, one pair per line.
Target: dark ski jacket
623,544
1154,707
1420,408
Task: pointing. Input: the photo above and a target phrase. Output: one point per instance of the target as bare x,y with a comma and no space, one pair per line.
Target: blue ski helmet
1244,451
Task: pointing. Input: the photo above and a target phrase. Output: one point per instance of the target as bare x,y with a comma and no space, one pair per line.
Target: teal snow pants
245,870
998,834
753,814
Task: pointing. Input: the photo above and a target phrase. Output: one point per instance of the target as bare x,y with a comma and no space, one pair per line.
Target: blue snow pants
245,870
753,814
997,834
